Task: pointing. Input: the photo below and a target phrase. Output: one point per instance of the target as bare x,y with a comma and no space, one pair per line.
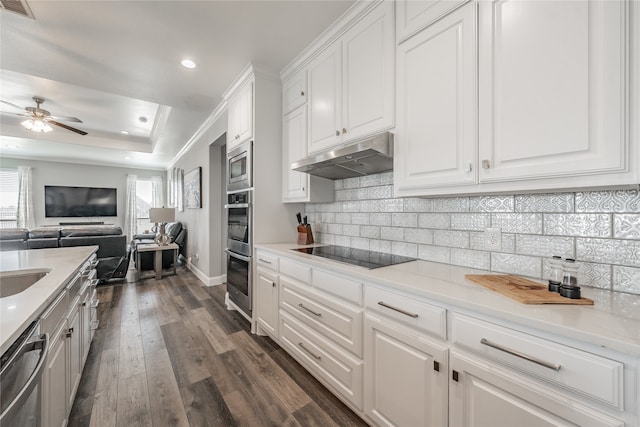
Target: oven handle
238,205
236,255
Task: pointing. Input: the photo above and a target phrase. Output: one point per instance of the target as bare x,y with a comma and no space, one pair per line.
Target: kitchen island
418,344
19,310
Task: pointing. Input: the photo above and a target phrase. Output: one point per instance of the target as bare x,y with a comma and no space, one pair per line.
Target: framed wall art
193,188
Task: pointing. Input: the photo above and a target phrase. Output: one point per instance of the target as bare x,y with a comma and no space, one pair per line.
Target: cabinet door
295,184
75,352
294,92
552,88
482,393
435,143
54,381
267,301
406,376
368,74
412,15
86,324
325,99
240,120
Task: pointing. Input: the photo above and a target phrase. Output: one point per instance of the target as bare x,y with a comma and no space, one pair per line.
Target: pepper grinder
555,280
570,288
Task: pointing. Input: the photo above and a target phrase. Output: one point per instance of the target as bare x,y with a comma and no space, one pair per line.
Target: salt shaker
555,280
570,288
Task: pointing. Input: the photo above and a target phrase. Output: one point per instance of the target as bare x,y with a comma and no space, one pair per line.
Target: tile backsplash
600,229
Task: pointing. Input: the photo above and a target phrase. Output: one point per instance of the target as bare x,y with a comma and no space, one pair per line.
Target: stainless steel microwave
239,167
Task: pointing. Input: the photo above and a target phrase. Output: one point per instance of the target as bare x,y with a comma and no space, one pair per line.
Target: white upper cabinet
413,15
294,129
552,89
351,83
240,117
294,92
436,130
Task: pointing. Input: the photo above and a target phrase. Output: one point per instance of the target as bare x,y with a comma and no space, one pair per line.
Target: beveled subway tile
472,259
386,178
404,249
478,242
581,225
333,207
327,239
610,251
380,218
391,233
370,231
404,219
516,264
343,218
359,243
434,253
351,206
626,279
563,202
345,195
440,221
380,192
352,230
526,223
341,241
361,218
451,204
608,201
456,239
589,274
383,246
418,235
370,180
338,184
545,246
329,217
335,229
361,194
369,206
418,205
390,205
310,208
491,204
626,226
470,221
351,183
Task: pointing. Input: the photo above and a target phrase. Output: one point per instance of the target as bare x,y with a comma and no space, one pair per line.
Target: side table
157,259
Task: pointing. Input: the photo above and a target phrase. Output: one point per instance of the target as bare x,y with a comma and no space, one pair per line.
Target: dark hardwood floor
168,353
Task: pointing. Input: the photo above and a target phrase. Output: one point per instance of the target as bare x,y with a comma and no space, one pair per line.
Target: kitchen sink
14,282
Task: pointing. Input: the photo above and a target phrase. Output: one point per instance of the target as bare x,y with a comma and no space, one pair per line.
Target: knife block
305,235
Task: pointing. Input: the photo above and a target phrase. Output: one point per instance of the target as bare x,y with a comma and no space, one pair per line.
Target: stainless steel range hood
364,157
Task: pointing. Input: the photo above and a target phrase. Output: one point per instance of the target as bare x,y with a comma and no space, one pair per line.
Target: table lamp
162,216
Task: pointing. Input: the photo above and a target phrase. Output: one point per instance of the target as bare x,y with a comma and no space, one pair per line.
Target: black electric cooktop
360,257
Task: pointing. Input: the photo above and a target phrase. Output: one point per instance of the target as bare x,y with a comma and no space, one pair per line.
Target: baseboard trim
206,280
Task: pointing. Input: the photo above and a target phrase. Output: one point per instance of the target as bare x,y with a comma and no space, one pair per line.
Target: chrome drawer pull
399,310
309,351
309,310
553,366
264,260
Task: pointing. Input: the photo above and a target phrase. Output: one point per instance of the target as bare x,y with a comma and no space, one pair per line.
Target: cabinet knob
468,167
337,133
273,284
486,164
237,136
301,93
344,130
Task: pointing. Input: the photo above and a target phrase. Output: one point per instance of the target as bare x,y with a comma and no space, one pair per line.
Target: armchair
177,235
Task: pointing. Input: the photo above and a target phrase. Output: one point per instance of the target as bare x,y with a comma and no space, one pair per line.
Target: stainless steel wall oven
238,250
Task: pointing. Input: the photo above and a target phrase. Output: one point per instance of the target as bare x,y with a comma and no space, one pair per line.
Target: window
8,198
144,201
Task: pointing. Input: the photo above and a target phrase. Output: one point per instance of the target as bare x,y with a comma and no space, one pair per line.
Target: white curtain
157,195
131,214
25,215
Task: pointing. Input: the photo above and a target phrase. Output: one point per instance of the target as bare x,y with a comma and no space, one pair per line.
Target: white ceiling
111,62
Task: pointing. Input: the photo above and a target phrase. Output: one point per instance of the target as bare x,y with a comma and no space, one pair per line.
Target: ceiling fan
38,119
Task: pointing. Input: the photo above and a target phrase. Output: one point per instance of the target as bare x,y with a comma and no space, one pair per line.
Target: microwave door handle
238,205
235,255
34,379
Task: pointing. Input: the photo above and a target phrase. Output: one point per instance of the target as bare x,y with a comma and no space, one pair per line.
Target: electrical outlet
197,256
492,238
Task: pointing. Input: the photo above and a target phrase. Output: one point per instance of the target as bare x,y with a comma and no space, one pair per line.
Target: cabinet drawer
340,371
419,314
267,260
577,370
296,270
74,286
337,321
54,314
342,287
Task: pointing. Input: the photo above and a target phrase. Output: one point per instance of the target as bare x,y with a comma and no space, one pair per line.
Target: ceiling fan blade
67,119
62,125
13,105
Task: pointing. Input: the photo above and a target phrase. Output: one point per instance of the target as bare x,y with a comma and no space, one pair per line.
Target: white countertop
612,322
19,310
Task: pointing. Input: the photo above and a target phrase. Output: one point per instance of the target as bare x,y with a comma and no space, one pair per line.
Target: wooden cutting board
523,290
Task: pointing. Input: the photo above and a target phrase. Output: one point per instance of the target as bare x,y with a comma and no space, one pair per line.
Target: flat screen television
79,201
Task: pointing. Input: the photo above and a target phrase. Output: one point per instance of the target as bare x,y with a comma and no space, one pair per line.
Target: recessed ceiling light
187,63
142,119
127,158
124,132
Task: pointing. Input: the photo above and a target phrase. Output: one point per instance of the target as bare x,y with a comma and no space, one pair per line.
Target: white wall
78,175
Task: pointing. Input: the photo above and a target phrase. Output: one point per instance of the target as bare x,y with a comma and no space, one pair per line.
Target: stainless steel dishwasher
21,369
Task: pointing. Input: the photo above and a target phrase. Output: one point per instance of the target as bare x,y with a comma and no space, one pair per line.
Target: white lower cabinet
74,336
406,376
267,309
54,380
484,393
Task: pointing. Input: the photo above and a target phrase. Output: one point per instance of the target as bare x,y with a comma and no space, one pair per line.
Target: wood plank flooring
169,353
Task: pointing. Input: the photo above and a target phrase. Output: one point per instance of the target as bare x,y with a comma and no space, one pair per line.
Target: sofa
176,232
113,253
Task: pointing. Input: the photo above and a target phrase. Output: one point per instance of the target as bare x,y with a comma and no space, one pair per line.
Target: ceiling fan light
36,125
27,124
